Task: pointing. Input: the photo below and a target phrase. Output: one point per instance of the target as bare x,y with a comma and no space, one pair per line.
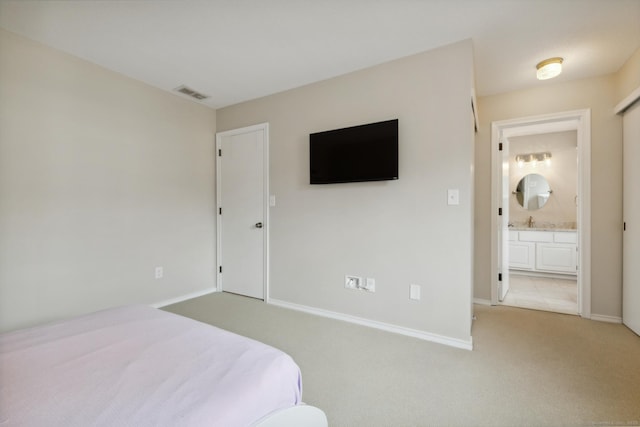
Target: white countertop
541,229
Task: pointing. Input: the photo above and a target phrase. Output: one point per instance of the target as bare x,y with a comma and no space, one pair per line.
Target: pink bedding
139,366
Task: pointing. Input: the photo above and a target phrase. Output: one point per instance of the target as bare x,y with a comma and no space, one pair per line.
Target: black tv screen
354,154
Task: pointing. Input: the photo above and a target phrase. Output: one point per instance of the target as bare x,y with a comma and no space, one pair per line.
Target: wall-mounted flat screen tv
354,154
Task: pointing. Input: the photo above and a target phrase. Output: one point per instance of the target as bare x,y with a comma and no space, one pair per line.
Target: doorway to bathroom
540,193
542,222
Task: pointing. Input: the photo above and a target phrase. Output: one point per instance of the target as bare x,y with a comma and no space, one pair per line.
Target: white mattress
139,366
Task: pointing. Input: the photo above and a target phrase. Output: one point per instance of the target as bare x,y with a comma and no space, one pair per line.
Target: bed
141,366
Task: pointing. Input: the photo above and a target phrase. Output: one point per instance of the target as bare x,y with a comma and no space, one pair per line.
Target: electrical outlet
159,272
370,285
352,282
453,197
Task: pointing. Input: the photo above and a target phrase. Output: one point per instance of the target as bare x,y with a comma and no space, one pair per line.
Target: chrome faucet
531,222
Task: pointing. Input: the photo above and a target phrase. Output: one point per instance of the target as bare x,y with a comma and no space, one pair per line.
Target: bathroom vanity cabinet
543,251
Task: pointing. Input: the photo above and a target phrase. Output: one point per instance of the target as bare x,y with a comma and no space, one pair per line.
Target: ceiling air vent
190,92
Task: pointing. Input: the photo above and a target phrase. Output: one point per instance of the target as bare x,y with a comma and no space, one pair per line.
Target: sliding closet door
631,217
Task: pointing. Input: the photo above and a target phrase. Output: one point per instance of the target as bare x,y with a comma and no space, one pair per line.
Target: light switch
414,292
453,197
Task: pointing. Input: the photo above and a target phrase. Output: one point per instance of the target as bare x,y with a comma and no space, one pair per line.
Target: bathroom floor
541,293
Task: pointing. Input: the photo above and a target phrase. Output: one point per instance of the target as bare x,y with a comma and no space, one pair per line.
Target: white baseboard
481,301
440,339
184,298
608,319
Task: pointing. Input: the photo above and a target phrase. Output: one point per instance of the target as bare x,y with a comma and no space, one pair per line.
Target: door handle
258,225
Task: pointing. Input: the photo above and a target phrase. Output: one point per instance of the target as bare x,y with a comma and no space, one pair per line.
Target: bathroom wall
562,175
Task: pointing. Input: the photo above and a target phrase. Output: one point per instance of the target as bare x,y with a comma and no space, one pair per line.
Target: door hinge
499,211
219,152
499,277
220,270
500,147
220,211
624,226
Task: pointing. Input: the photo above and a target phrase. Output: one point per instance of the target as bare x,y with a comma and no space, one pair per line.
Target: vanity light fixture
533,159
549,68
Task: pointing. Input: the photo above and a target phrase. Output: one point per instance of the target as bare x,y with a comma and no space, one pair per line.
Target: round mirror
533,191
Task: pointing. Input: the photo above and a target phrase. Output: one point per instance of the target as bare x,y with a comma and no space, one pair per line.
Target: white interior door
242,210
631,216
504,229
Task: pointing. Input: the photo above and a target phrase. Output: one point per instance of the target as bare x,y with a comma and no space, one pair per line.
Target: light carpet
528,368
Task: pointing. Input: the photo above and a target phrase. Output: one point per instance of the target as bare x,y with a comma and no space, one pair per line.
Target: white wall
628,77
398,232
102,179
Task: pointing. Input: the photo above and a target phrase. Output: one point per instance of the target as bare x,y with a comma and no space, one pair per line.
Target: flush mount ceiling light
549,68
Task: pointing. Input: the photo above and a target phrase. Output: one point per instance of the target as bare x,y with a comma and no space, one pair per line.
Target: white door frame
265,208
580,121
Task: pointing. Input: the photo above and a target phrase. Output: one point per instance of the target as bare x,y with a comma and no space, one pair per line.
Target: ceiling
237,50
